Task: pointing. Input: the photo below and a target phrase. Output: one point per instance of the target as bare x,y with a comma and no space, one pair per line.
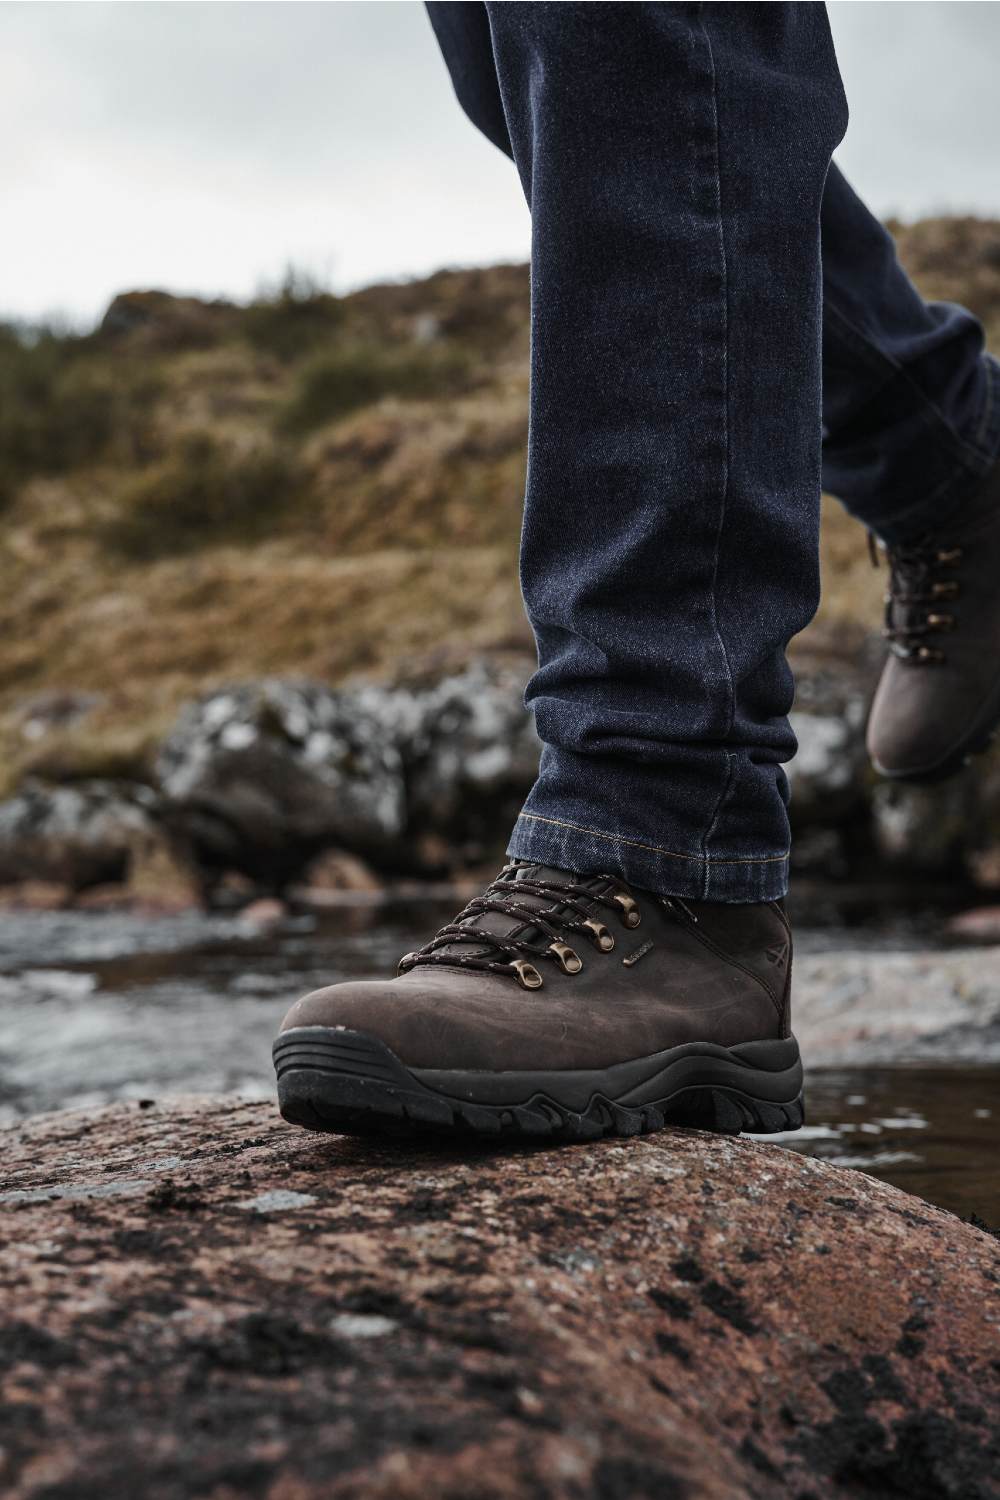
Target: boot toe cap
356,1006
908,734
422,1025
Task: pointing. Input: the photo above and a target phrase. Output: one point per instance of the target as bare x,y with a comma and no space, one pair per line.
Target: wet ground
95,1007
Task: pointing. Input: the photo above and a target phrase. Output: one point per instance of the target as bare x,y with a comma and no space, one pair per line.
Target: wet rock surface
201,1300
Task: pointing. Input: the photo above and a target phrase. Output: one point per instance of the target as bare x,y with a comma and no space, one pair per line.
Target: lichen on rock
200,1300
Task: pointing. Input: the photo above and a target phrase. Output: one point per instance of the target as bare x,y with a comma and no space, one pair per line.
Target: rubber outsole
346,1082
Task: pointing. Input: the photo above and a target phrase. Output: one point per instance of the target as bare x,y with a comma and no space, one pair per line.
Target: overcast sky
203,146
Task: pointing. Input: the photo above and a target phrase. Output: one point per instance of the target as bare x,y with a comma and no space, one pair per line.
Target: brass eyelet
568,961
944,591
941,622
951,555
631,914
602,937
927,653
528,976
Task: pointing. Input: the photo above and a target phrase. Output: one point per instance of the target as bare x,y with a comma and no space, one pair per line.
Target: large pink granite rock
200,1301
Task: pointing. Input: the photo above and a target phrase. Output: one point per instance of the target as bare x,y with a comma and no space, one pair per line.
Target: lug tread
324,1085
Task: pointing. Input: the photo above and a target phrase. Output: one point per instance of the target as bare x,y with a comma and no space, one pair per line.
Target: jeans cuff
667,872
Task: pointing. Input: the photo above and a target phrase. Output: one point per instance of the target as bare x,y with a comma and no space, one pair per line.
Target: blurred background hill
311,485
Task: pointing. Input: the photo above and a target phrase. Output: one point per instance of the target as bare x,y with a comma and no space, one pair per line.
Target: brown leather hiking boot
938,699
559,1005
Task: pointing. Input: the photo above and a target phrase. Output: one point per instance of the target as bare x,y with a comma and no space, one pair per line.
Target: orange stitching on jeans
616,838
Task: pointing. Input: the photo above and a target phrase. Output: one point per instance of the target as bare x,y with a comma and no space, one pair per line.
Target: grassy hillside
329,486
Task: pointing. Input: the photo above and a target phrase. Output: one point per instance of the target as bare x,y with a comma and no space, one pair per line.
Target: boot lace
571,912
918,585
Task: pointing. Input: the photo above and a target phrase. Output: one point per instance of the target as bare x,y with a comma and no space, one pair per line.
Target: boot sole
349,1083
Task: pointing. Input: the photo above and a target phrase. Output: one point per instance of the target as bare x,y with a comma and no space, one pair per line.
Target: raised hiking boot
938,699
559,1005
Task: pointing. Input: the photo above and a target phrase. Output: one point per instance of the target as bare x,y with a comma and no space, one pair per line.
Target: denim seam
723,797
617,838
887,362
726,462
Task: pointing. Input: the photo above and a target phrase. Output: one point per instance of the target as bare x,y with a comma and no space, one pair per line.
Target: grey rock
264,775
77,835
469,749
924,829
739,1320
855,1006
827,774
42,713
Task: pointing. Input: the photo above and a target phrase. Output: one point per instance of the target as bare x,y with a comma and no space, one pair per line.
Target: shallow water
96,1007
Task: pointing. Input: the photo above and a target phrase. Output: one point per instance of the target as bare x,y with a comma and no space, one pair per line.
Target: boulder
76,835
827,774
159,321
43,713
161,875
199,1300
38,895
925,829
854,1006
263,776
334,876
469,751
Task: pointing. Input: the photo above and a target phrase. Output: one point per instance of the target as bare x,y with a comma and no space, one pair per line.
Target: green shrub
201,495
292,321
62,406
356,375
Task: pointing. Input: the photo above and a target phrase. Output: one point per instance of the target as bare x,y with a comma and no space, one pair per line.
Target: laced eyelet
941,622
944,591
569,961
528,976
602,937
951,555
631,914
928,653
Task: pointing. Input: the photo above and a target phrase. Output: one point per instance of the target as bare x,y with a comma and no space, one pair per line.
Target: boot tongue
503,925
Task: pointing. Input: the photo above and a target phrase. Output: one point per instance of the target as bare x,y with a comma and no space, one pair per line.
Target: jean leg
673,157
462,29
911,404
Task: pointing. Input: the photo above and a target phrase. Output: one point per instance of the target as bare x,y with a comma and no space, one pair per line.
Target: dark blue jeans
717,321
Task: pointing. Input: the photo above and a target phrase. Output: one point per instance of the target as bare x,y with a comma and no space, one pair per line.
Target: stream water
98,1007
